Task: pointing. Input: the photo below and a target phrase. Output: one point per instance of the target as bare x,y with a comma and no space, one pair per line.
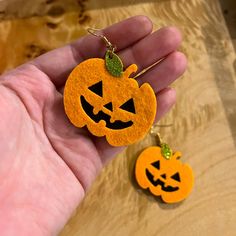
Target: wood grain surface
202,123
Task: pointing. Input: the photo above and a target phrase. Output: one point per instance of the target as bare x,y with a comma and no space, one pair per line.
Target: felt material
85,103
168,178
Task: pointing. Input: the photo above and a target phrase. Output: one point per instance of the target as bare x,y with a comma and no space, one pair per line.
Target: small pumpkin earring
160,170
100,95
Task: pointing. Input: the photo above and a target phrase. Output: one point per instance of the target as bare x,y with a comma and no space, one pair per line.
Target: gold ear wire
97,33
166,150
157,136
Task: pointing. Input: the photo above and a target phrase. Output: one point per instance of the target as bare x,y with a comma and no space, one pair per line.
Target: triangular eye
96,88
128,106
176,177
156,164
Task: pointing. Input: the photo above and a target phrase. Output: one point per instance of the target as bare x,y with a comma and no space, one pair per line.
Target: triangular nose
109,106
163,176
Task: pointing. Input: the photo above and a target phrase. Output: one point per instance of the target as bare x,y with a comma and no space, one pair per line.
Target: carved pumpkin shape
168,178
109,106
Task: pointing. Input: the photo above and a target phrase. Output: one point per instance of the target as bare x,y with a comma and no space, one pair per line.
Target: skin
46,164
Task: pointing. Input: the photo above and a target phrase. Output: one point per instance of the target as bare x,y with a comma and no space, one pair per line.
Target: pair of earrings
100,95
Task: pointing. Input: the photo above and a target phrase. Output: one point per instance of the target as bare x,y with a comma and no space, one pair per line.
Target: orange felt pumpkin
109,106
168,178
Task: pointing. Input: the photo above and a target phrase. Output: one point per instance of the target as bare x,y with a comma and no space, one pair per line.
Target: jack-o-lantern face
168,178
113,107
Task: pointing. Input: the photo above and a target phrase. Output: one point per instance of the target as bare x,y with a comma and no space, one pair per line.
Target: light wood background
203,122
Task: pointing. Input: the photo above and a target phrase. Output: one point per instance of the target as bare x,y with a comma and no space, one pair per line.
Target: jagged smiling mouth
88,108
159,182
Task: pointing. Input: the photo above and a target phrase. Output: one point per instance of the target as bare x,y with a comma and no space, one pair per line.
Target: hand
46,164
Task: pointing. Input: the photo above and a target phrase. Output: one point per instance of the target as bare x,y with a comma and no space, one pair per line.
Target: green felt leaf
166,151
113,64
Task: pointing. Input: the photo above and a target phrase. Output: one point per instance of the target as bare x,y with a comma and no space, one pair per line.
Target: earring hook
157,136
97,33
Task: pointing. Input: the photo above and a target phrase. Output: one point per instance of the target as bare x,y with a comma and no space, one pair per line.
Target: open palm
46,164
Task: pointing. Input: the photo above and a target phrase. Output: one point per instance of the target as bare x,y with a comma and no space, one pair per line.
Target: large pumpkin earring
100,95
160,170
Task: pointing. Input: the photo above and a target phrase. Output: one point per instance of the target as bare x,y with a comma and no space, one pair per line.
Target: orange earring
100,95
161,171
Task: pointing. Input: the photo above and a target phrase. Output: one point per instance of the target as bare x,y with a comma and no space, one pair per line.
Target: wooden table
203,122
